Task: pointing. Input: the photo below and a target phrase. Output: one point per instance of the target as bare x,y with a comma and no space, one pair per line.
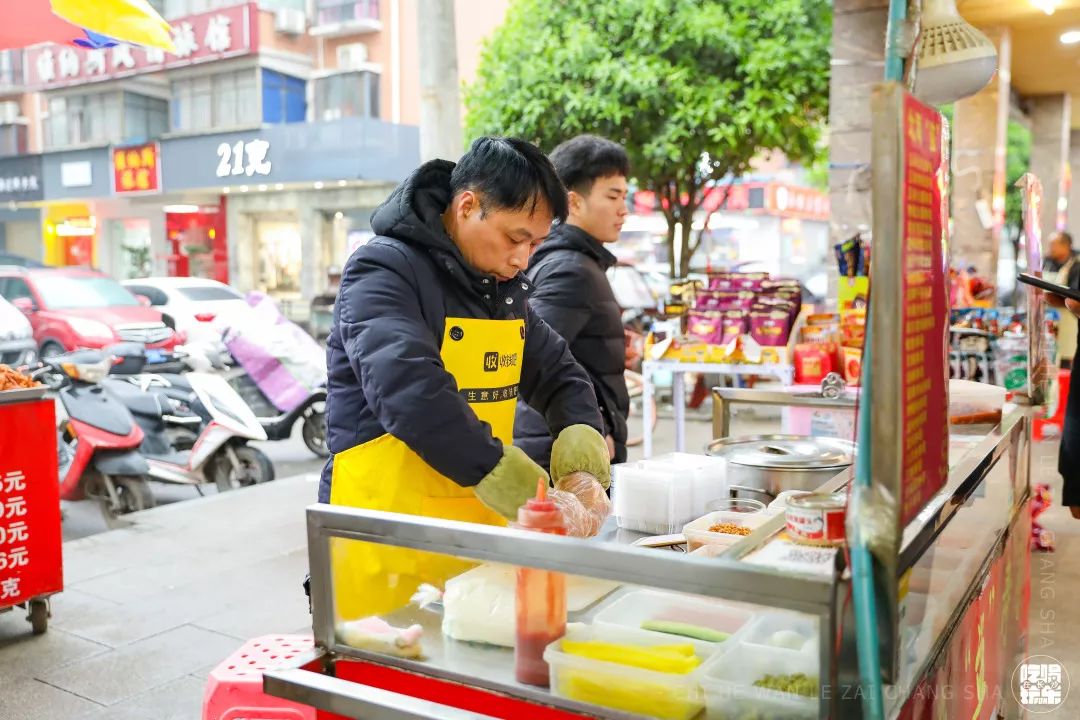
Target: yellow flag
130,21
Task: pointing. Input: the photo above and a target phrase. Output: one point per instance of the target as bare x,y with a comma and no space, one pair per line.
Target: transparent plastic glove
594,500
576,518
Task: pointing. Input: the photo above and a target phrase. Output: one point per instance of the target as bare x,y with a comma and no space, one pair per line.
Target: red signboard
136,169
217,35
30,560
758,197
925,311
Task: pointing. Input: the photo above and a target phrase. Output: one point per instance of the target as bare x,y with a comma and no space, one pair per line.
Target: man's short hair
583,160
509,174
1064,237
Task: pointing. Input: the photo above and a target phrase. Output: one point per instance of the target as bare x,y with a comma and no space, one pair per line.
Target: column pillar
858,63
1051,127
980,135
1073,219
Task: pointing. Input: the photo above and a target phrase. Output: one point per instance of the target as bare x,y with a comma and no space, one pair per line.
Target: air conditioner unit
9,113
290,21
353,56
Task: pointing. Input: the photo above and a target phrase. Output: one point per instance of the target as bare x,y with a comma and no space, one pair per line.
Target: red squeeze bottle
540,597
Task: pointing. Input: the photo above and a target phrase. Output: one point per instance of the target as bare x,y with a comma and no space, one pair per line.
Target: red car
71,308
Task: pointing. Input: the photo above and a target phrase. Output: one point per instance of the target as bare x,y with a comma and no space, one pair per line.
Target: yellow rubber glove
510,483
580,448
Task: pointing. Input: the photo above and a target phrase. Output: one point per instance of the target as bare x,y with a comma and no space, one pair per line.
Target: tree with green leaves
694,89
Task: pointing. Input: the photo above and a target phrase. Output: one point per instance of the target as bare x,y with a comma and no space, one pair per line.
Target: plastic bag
584,503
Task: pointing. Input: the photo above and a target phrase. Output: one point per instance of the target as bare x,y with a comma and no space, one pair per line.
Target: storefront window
347,94
284,98
223,100
280,257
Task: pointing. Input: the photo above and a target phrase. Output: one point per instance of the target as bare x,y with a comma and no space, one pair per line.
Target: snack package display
705,326
771,328
813,362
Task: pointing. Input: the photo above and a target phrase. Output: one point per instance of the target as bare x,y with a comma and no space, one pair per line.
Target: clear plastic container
698,534
967,398
730,694
640,606
784,631
739,505
651,693
659,495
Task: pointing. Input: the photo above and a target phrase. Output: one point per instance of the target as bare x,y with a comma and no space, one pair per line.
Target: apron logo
493,361
456,333
489,395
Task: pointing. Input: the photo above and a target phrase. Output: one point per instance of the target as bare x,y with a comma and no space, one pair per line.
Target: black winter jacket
385,374
574,297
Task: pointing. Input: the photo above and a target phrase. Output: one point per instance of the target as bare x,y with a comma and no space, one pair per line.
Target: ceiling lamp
1047,6
954,60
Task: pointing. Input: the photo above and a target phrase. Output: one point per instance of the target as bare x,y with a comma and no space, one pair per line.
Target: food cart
30,534
963,567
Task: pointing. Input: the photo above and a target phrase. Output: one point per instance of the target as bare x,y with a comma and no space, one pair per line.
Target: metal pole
440,103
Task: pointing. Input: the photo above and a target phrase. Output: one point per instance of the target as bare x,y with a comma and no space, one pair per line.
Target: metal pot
763,466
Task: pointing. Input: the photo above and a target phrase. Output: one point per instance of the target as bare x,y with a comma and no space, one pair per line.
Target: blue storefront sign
349,149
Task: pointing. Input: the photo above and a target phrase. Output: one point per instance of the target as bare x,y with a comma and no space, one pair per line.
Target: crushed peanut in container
729,529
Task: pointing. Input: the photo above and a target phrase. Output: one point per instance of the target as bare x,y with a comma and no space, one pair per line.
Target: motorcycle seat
137,401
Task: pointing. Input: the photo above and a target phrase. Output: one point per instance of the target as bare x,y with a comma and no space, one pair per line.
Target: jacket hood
571,237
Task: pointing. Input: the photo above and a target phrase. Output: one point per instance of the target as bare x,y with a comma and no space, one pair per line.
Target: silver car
17,346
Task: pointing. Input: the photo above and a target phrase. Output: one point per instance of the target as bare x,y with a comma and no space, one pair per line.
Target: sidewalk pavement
148,611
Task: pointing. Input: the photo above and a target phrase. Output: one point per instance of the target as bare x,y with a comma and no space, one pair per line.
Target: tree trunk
686,256
673,269
440,111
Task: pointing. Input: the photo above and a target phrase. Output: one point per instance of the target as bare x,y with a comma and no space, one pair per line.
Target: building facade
254,154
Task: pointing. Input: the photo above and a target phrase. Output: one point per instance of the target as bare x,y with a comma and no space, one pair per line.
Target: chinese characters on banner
217,35
30,560
925,463
136,169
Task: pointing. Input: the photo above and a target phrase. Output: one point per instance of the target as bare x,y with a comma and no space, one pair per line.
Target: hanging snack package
847,256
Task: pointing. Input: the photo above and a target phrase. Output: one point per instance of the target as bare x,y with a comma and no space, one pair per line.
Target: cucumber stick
685,630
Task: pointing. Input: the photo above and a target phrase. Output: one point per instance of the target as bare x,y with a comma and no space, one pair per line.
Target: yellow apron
484,356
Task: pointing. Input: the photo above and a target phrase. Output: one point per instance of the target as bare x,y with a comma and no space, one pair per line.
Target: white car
17,346
201,308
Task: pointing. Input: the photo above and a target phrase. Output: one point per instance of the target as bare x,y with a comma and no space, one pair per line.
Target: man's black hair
509,174
583,160
1066,238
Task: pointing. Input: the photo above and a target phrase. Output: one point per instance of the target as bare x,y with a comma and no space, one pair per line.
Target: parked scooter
98,439
196,429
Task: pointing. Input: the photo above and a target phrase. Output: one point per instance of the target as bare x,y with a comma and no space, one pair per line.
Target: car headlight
91,328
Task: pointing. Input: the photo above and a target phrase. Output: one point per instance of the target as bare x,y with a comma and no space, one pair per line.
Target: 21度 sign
136,169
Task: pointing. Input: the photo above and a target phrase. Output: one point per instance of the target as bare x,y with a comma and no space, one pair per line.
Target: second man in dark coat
572,293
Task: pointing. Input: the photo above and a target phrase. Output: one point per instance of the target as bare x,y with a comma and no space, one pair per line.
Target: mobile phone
1061,290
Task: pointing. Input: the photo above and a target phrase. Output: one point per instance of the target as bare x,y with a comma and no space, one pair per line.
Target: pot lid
790,452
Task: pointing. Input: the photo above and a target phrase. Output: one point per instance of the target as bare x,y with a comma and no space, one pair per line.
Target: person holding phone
1069,454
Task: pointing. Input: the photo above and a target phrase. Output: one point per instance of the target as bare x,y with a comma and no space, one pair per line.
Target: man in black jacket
433,342
573,294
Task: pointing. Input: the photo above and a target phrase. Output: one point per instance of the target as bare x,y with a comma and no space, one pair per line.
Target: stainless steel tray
8,397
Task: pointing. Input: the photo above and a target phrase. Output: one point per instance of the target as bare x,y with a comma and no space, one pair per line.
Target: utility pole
440,114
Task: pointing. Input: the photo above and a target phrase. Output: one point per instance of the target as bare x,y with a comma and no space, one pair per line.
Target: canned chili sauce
816,519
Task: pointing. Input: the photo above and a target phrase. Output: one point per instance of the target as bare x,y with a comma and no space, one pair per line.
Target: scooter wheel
314,432
255,468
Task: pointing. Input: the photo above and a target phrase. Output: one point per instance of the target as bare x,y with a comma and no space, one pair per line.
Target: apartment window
284,98
339,11
13,140
179,8
347,94
215,101
110,117
11,67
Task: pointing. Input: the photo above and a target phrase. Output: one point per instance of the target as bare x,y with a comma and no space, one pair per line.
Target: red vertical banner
30,556
924,308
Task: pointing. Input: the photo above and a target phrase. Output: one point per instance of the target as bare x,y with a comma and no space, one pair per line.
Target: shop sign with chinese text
20,179
216,35
136,169
30,556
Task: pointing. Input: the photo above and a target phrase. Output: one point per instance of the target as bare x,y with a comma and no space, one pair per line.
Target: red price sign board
137,169
924,307
30,556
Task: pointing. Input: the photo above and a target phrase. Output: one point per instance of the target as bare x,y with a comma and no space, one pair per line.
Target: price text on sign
136,169
925,310
29,503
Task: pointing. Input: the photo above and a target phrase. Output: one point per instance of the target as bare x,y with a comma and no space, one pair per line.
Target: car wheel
50,349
